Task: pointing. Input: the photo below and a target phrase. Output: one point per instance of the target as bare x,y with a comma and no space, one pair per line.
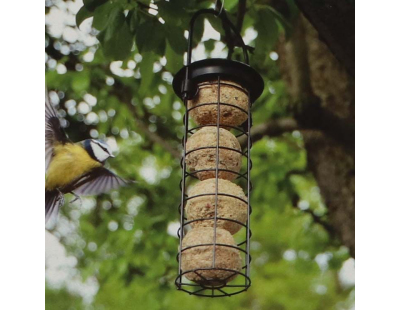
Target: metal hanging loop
224,20
189,89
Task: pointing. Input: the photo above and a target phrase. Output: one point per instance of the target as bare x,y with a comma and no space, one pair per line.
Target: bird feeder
214,233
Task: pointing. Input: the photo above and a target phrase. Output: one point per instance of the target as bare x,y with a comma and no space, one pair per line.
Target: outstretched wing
54,201
54,133
100,180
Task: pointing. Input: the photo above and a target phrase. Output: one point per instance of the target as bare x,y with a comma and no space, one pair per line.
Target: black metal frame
214,71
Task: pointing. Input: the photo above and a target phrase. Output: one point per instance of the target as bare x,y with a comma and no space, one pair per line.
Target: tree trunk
323,93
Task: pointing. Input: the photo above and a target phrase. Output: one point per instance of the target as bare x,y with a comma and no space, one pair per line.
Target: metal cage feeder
218,95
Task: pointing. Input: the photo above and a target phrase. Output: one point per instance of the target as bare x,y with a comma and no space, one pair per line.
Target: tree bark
335,23
323,93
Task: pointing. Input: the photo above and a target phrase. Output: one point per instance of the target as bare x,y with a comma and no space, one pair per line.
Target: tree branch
296,172
272,128
320,221
124,95
317,219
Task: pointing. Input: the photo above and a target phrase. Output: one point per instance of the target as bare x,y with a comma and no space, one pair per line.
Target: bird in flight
76,168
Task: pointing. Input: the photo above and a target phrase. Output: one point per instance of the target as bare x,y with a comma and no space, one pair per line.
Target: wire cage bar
214,241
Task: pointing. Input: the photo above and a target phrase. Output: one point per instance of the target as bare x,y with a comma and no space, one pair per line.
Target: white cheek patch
99,153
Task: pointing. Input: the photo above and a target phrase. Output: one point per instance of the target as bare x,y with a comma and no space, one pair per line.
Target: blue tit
76,168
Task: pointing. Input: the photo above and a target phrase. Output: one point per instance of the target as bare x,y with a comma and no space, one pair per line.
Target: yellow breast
70,161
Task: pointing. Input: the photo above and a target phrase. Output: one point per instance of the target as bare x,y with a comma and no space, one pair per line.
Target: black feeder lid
210,69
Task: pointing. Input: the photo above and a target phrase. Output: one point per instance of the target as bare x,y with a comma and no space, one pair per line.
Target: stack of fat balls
210,256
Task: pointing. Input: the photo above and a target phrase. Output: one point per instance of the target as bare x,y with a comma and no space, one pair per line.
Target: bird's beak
112,156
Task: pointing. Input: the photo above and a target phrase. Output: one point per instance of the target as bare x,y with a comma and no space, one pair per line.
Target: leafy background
110,78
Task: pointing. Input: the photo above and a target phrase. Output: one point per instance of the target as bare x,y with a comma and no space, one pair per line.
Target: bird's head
98,150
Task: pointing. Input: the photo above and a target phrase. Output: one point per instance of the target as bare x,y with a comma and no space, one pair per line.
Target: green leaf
176,39
120,46
116,39
82,14
146,72
173,13
134,20
268,32
282,21
102,16
198,31
150,37
216,24
116,21
91,5
209,45
174,60
230,4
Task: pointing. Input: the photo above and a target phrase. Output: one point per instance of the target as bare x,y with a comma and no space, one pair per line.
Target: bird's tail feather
54,201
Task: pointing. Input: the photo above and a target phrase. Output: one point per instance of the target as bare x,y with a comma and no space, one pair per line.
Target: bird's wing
54,133
54,201
100,180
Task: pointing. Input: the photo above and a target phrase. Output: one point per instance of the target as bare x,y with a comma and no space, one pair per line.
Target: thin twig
317,219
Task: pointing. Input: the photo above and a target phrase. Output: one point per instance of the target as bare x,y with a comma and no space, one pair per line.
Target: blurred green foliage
120,87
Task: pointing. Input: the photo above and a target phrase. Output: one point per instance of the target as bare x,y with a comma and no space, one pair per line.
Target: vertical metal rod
216,169
182,219
248,190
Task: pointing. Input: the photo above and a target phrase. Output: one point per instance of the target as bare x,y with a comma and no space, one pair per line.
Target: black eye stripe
103,148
